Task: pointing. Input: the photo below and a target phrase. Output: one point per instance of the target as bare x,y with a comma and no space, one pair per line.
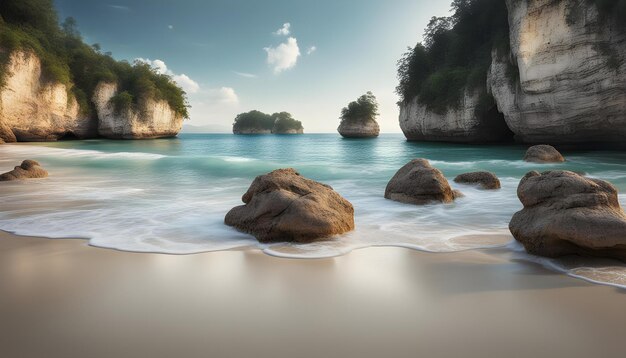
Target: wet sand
63,298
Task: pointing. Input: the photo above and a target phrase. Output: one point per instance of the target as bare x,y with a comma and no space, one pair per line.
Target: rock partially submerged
27,170
417,182
366,128
565,213
284,206
485,180
543,153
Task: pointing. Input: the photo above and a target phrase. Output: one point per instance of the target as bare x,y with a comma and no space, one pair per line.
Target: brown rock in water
486,180
417,182
27,170
543,153
565,213
284,206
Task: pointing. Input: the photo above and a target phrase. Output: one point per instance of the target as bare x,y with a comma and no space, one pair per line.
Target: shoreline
246,303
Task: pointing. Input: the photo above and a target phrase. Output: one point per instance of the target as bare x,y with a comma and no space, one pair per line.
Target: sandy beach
63,298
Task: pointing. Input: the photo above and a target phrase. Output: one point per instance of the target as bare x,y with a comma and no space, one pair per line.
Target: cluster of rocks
564,212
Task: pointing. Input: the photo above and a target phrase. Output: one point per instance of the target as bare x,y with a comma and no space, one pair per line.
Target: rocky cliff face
152,118
458,124
33,110
572,74
359,128
571,86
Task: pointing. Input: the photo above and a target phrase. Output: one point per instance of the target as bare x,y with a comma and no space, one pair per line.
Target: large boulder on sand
28,169
417,182
566,213
485,180
543,153
284,206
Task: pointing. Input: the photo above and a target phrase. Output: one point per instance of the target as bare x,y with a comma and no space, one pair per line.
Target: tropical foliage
284,122
455,55
256,120
365,108
33,25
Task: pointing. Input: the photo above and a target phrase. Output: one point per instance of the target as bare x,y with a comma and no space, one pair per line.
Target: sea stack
566,213
358,119
284,206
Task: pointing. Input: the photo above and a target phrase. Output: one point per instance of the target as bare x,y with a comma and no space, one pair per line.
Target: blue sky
234,55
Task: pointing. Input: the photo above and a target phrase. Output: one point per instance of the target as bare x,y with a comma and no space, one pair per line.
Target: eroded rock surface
485,180
366,128
417,182
284,206
543,153
566,213
27,170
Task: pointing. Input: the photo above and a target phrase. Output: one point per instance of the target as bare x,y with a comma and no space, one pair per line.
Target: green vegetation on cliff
258,121
364,108
33,25
284,122
455,55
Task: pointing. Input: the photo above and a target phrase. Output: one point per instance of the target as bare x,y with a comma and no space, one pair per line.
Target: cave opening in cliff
68,136
495,119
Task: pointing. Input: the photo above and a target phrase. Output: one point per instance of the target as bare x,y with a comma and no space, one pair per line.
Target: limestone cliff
572,74
568,83
151,118
457,124
32,109
359,128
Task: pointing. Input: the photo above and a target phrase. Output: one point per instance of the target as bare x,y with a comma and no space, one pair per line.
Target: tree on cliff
255,120
33,25
284,122
365,108
455,54
258,121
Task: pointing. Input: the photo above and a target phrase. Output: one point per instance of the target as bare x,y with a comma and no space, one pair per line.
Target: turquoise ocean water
171,195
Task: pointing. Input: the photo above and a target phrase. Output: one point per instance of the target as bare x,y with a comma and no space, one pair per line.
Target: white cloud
189,85
311,49
283,56
283,31
119,7
184,81
171,27
223,95
244,74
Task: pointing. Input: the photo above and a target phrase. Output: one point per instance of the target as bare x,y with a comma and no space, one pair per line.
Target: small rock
565,213
486,180
28,169
284,206
417,182
543,153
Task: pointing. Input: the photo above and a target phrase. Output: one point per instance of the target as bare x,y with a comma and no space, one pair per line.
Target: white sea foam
152,202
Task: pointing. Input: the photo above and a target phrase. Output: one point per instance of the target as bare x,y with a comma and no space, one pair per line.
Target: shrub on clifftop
363,109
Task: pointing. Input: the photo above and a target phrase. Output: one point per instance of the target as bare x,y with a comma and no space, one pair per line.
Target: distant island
257,122
358,119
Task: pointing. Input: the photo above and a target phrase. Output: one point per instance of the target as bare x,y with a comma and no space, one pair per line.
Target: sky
309,58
